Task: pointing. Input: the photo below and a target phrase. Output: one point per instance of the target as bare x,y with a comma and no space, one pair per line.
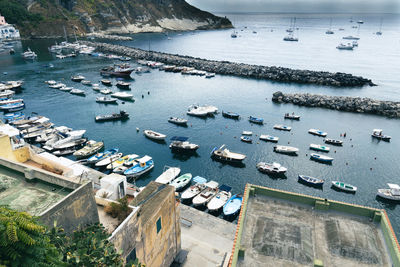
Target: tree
23,241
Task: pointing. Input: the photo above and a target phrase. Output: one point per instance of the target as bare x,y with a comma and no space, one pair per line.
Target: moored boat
232,207
319,147
317,132
246,139
86,82
122,115
247,133
220,199
256,120
333,141
108,160
321,158
122,70
207,194
154,135
286,149
144,165
122,95
77,78
91,148
195,189
291,116
106,91
378,134
123,85
106,100
269,138
106,82
12,107
168,175
282,127
344,186
77,92
177,121
392,193
181,181
230,114
271,167
224,154
180,144
125,160
311,180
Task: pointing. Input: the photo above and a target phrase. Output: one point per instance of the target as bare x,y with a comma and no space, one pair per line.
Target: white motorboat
321,158
202,111
106,100
378,133
57,85
122,95
344,186
77,92
106,91
180,143
224,154
348,46
108,160
207,194
333,141
350,37
220,199
392,193
66,138
282,127
270,138
29,54
271,167
66,89
194,190
317,132
178,121
154,135
286,149
247,133
167,176
6,93
181,181
51,82
78,78
319,147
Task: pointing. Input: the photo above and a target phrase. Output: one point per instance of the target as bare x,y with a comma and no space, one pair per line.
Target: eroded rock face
239,69
389,109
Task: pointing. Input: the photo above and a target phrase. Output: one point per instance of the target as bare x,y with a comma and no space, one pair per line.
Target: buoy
137,129
375,158
335,151
123,102
148,92
351,145
347,163
234,137
142,96
306,154
221,133
288,142
370,169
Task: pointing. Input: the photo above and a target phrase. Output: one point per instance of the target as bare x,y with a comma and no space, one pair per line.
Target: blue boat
11,117
102,155
311,180
256,120
12,107
143,165
246,139
231,115
232,207
321,158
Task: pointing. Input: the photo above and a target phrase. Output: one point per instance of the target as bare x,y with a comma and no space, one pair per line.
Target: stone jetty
345,103
273,73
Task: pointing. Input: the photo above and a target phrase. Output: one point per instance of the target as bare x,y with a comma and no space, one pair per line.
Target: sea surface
362,161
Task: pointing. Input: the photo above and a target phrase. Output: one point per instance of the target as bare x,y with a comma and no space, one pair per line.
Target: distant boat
154,135
350,37
378,134
168,175
286,149
122,70
123,85
271,167
246,139
145,164
317,132
380,29
292,116
249,133
319,147
234,34
12,107
106,82
106,91
194,190
77,78
344,186
220,199
347,46
230,114
29,54
91,148
182,181
311,180
77,92
333,142
224,154
321,158
256,120
269,138
122,115
106,100
180,144
232,207
393,193
86,82
329,31
290,38
282,127
122,95
178,121
360,22
100,156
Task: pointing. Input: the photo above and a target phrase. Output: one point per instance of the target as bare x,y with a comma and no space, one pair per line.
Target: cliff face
46,18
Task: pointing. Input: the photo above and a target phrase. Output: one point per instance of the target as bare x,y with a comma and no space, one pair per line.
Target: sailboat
234,34
290,37
329,31
380,29
291,27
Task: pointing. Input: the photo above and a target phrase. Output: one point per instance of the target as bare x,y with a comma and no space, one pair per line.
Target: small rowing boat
286,149
232,207
207,194
269,138
177,121
246,139
182,181
333,142
344,186
256,120
321,158
271,167
282,127
154,135
317,132
291,116
319,147
231,115
311,180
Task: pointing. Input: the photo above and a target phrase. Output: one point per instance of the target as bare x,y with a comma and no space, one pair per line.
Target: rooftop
283,229
33,197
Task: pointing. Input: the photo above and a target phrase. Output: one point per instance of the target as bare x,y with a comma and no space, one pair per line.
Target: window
158,225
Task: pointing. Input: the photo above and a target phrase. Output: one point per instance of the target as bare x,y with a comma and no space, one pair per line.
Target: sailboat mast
65,34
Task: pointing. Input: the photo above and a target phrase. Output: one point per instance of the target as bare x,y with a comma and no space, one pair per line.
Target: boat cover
199,180
179,138
225,188
144,159
212,184
394,186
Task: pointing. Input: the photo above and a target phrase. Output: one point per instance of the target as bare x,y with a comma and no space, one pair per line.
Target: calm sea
362,161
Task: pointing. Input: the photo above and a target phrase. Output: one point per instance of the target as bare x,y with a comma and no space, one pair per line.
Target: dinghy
167,176
91,148
319,147
77,92
271,167
333,142
311,180
182,181
220,199
100,156
291,116
317,132
256,120
344,186
197,112
106,100
393,193
246,139
145,164
286,149
122,161
106,82
321,158
180,144
224,154
194,190
232,207
269,138
108,160
177,121
206,195
282,127
230,115
123,85
122,95
154,135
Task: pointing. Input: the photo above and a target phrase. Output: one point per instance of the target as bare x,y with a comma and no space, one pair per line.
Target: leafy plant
119,210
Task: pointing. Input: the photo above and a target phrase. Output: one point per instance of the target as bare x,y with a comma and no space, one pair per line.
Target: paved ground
208,241
280,233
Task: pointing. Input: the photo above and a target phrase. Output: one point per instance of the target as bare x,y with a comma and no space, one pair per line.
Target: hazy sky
351,6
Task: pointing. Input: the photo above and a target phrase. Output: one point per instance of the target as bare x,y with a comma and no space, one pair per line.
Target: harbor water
362,161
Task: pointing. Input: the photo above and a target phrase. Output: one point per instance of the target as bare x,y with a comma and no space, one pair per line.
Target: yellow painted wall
6,149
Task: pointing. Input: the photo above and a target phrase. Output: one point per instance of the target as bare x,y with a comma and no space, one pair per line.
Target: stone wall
280,74
76,210
345,103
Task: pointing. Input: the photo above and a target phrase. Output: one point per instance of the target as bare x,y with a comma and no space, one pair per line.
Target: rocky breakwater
279,74
345,103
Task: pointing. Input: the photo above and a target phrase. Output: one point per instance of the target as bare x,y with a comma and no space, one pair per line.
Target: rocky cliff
47,18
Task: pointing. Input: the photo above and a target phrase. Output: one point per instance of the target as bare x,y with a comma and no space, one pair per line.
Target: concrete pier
389,109
273,73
